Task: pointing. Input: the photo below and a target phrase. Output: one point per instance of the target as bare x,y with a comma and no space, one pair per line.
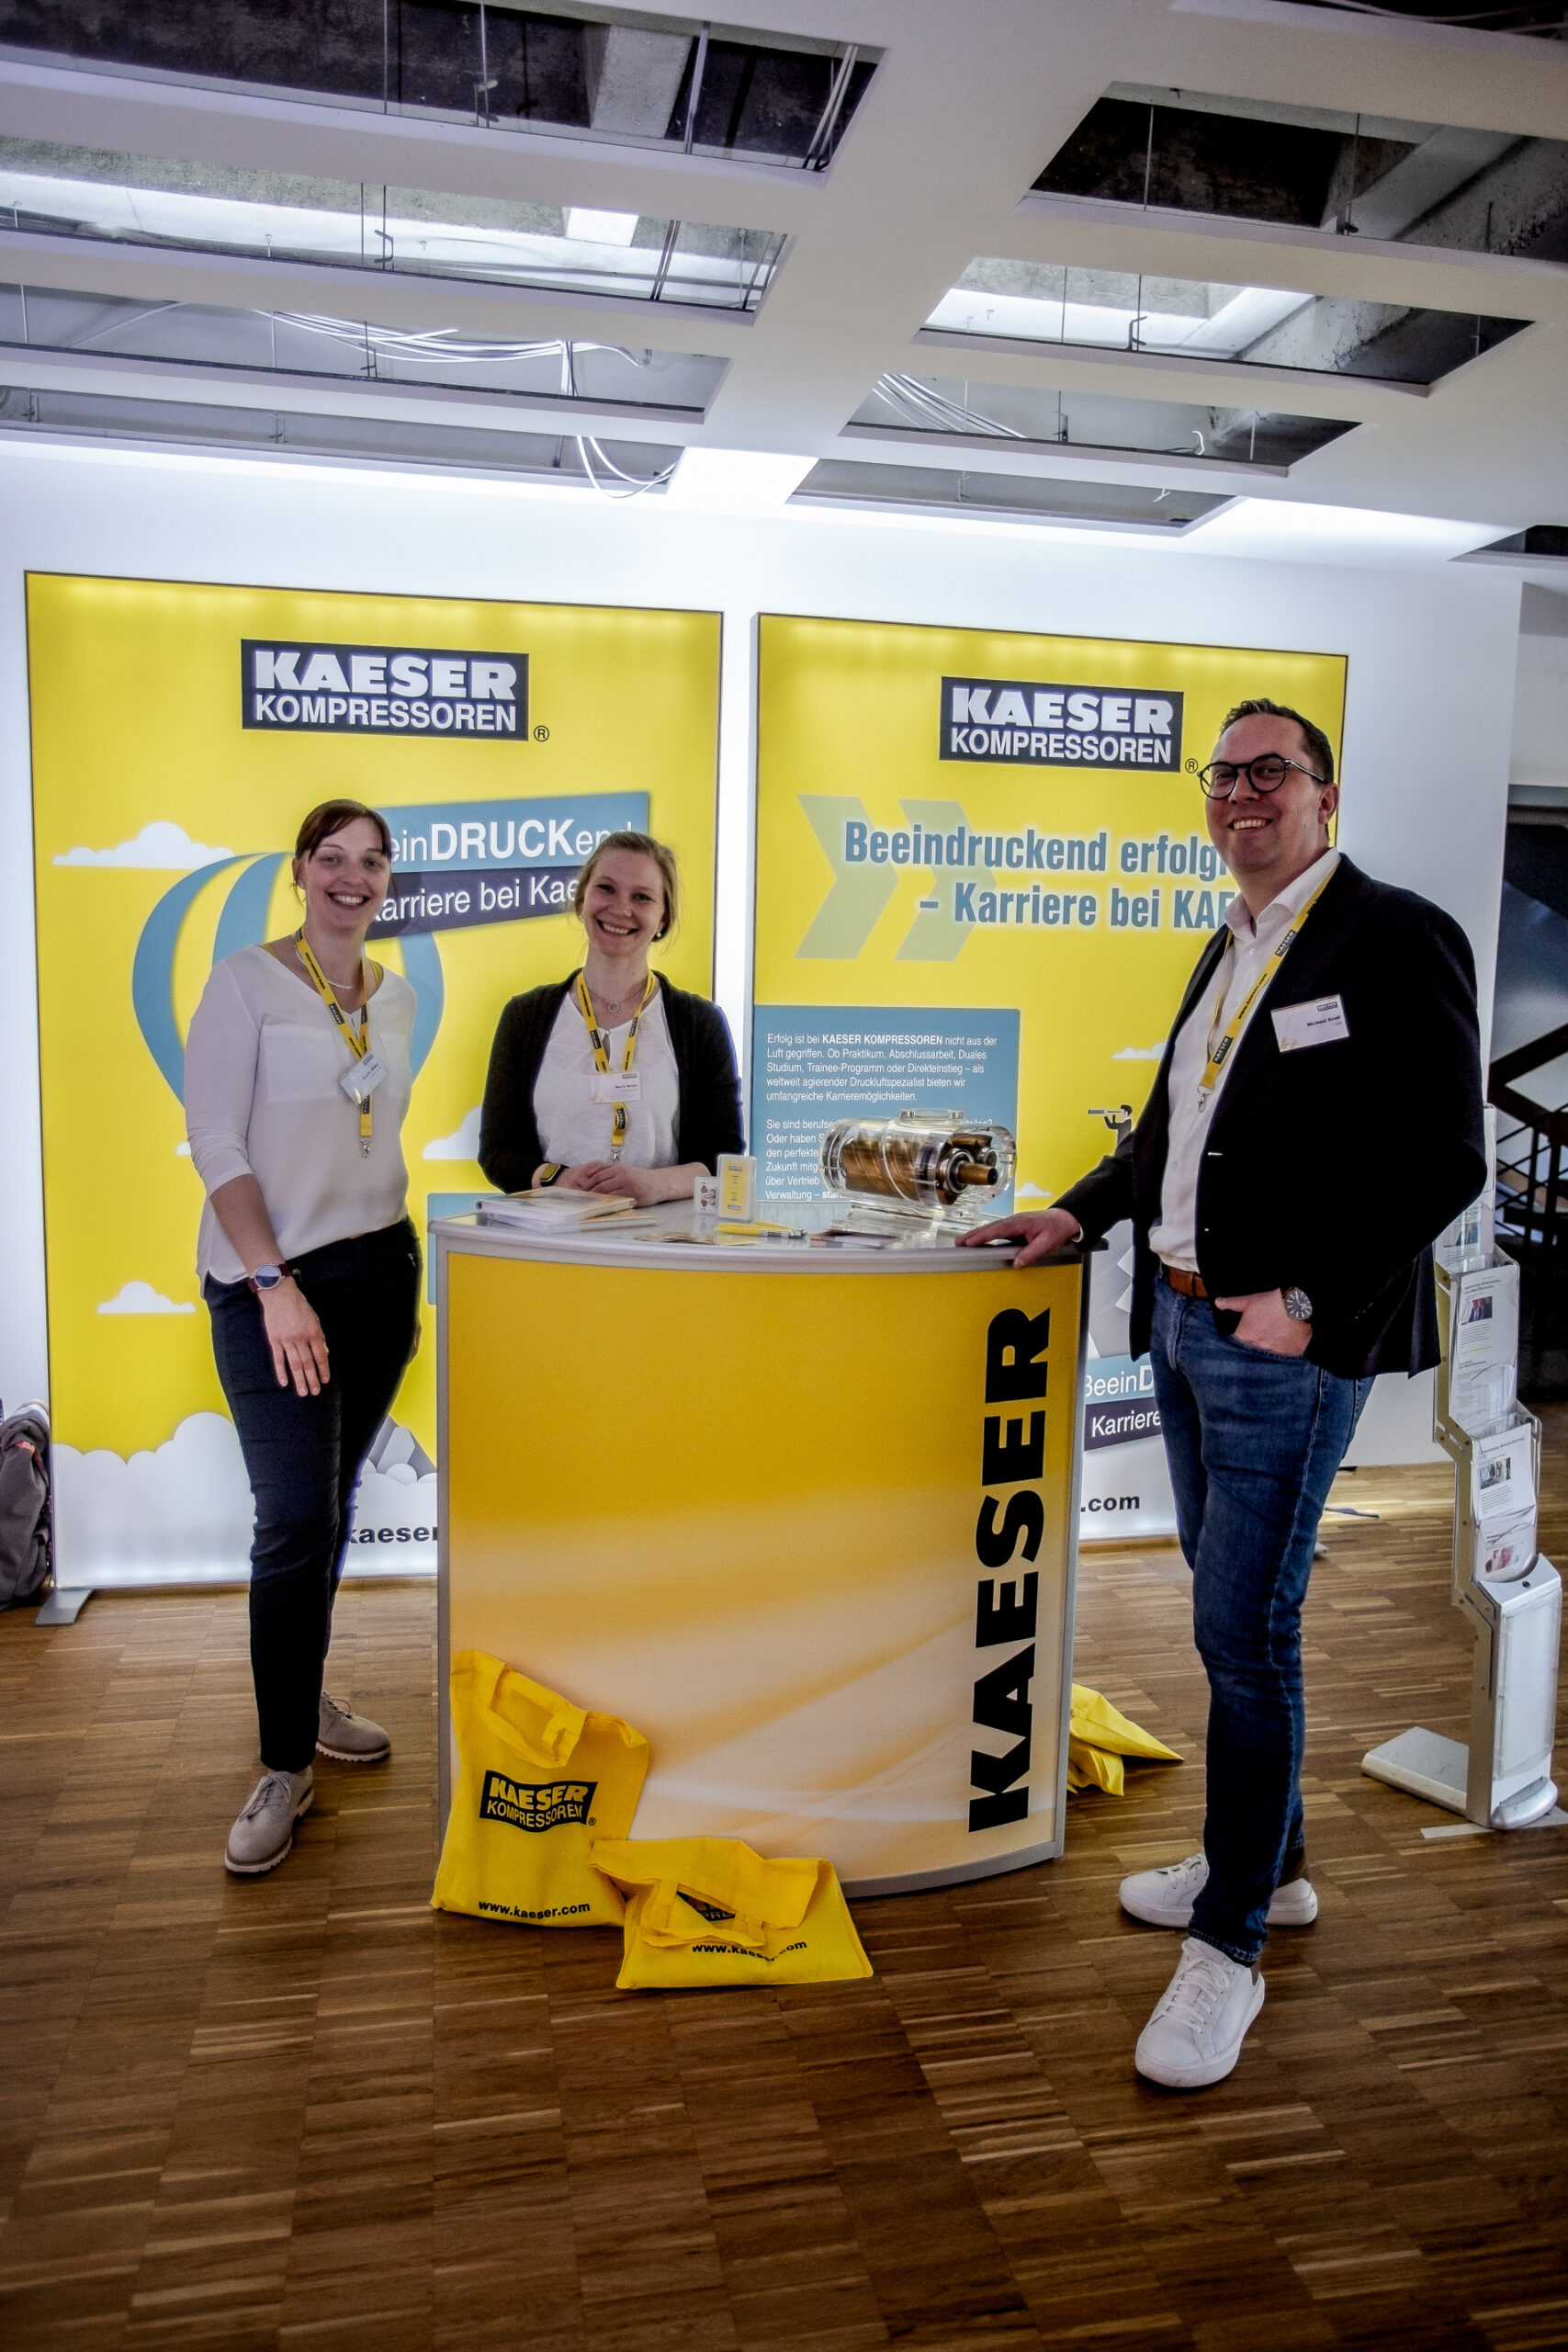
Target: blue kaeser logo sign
1025,722
318,689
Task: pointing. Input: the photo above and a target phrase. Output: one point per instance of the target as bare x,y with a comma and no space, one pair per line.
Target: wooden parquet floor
308,2112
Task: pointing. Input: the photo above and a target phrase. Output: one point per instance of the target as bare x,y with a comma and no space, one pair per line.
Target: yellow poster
983,878
180,732
983,875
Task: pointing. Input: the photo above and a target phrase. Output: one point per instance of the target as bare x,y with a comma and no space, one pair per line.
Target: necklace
343,988
614,1003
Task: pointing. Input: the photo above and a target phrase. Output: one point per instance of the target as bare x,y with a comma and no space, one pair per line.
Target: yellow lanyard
358,1041
1219,1049
601,1045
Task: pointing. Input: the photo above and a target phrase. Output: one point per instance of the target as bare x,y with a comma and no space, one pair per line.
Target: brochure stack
1511,1595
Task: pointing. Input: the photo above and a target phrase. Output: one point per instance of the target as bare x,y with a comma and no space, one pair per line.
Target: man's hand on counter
1042,1235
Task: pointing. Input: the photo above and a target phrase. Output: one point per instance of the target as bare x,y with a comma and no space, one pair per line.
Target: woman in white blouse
297,1081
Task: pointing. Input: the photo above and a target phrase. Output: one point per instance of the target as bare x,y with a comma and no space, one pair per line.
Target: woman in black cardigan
612,1080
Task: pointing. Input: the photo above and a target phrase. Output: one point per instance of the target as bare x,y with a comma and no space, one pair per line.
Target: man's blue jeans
1253,1440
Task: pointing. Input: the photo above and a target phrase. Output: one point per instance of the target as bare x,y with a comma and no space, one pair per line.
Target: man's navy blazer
1334,1166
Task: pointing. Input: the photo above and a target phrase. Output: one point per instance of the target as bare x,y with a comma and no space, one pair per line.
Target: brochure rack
1511,1596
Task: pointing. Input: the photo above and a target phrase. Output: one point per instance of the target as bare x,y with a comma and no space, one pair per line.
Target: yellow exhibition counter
804,1513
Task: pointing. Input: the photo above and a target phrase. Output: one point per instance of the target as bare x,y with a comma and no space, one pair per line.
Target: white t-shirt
1192,1105
571,1128
264,1062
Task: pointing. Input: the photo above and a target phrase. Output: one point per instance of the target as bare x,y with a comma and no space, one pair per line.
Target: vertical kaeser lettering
1012,1453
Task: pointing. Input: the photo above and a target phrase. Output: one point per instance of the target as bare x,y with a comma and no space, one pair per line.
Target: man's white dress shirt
1174,1237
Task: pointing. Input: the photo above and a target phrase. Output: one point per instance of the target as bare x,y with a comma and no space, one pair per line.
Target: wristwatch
266,1278
1298,1306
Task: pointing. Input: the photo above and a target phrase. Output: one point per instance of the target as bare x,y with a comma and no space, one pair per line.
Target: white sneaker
1200,2021
264,1831
1165,1898
349,1738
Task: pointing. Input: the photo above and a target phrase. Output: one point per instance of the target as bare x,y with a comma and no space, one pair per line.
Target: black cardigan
1333,1167
707,1115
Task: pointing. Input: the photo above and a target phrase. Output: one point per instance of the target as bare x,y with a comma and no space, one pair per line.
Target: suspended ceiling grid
967,106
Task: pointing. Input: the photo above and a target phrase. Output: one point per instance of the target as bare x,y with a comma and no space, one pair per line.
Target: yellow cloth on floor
1098,1735
706,1911
539,1781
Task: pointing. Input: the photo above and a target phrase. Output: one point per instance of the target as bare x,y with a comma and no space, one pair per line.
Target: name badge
1317,1024
616,1086
360,1082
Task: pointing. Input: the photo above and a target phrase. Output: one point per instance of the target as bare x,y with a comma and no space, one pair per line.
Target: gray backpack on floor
24,1505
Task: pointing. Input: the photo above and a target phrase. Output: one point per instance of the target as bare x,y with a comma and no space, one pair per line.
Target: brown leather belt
1187,1286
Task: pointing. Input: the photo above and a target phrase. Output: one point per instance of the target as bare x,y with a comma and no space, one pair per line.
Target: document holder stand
1502,1779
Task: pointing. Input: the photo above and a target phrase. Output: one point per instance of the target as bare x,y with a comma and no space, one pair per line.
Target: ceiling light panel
616,467
1251,326
301,343
1307,167
1267,439
702,88
1543,18
205,208
1019,497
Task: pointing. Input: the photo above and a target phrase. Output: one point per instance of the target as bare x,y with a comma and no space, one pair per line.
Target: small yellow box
736,1185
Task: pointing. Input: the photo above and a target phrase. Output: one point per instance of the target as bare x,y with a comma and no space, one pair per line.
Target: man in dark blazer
1316,1122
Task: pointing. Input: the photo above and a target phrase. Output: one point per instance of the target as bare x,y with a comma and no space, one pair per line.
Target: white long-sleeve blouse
264,1098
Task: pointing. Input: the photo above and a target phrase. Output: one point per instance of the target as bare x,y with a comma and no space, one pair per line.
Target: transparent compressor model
934,1161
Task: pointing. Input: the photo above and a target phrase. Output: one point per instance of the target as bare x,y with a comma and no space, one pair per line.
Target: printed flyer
180,732
983,877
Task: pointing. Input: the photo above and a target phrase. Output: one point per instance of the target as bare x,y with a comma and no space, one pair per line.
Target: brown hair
641,845
329,818
1319,748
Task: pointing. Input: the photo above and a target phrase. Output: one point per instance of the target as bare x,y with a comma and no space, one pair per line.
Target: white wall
1540,694
1432,649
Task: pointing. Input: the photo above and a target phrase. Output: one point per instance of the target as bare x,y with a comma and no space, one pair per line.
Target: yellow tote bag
706,1911
1098,1735
540,1779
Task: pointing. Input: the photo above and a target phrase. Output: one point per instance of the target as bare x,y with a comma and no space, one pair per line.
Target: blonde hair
640,845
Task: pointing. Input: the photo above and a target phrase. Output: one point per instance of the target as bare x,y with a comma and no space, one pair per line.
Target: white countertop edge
776,1257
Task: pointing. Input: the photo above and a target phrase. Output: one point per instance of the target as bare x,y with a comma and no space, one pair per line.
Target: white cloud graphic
140,1298
463,1143
161,845
181,1150
178,1515
182,1513
1029,1192
1139,1053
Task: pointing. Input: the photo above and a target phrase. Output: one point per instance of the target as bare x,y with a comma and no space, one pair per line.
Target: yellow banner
180,733
983,874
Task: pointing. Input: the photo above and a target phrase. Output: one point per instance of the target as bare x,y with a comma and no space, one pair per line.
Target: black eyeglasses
1220,779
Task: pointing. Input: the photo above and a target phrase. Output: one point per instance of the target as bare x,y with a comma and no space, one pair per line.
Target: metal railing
1532,1149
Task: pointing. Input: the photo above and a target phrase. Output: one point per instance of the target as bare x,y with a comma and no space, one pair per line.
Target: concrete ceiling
967,106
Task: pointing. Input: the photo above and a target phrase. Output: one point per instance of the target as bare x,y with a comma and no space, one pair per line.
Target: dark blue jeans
304,1456
1253,1440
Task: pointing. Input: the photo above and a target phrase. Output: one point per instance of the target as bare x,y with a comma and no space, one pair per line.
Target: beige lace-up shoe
349,1738
264,1831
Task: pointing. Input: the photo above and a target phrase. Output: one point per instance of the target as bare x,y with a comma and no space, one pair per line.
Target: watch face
1298,1306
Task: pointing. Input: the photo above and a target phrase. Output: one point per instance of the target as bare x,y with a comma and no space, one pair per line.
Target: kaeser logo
1025,722
316,689
1012,1453
526,1805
